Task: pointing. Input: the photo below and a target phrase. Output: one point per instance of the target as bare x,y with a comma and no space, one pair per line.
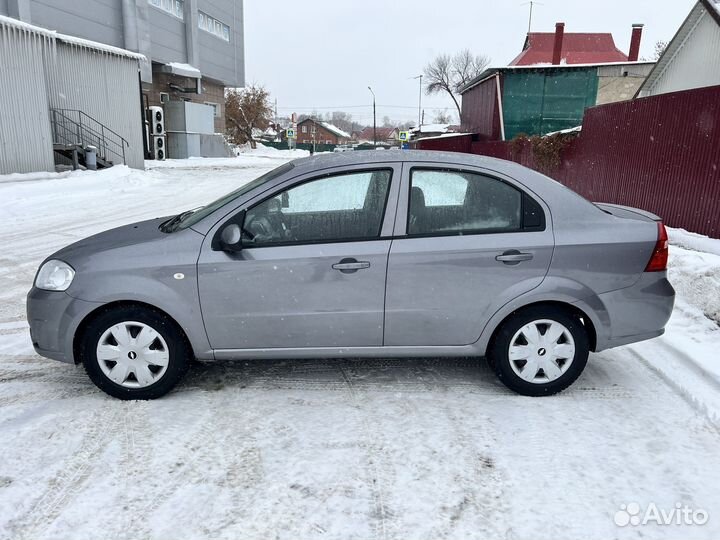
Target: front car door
311,273
467,242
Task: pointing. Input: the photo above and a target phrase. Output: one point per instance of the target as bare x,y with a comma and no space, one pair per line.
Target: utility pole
374,119
419,100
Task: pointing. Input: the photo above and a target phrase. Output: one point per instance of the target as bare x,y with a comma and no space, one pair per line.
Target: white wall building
692,58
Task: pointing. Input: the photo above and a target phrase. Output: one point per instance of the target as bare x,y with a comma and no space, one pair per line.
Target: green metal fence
540,101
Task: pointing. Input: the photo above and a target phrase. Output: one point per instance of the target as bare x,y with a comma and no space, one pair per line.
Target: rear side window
458,202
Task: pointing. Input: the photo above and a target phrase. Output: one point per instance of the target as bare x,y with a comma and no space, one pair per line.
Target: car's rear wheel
539,351
132,352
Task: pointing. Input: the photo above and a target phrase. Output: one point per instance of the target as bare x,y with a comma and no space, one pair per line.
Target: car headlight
54,275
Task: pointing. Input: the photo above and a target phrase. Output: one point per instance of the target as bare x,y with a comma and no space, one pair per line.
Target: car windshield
189,218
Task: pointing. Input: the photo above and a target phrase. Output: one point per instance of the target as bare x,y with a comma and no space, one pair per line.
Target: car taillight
659,257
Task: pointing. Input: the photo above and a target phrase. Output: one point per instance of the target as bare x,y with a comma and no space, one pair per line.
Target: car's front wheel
539,351
132,352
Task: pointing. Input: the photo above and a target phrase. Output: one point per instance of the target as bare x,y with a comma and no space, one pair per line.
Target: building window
212,25
215,108
173,7
304,129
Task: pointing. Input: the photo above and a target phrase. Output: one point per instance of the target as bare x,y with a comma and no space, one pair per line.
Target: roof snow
186,70
9,22
432,128
335,130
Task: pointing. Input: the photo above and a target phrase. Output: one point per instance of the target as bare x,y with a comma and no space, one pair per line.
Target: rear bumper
638,312
53,318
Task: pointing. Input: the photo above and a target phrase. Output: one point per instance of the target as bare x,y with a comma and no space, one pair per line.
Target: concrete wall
167,34
99,20
618,83
221,60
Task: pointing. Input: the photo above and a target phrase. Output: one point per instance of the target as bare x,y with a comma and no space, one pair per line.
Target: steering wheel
269,225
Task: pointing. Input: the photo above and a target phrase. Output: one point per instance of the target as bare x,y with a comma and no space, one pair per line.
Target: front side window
458,202
341,207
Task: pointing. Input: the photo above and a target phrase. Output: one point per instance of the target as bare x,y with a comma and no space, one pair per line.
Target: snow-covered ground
383,448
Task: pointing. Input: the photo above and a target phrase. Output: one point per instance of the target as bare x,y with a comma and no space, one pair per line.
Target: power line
341,107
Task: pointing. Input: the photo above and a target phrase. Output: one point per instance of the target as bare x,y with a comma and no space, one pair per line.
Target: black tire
178,350
498,351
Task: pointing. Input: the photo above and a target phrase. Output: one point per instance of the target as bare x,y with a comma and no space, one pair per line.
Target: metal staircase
73,131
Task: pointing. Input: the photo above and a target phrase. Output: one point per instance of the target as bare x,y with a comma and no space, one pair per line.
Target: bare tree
442,117
247,109
660,47
342,120
447,73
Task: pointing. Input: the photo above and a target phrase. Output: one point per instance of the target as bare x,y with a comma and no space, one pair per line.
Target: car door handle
350,265
513,257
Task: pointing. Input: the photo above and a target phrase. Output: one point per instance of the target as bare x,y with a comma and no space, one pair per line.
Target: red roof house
575,48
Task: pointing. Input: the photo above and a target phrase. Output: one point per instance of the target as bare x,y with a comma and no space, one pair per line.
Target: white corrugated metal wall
102,85
40,72
25,140
696,64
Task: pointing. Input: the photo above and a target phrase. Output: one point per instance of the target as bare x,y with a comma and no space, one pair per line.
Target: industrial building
191,50
61,94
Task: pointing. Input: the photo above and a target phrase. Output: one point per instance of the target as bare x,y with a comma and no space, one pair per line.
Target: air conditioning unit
159,151
157,120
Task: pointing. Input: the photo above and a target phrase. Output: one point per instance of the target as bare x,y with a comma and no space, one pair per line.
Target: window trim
378,236
172,12
209,20
215,106
472,232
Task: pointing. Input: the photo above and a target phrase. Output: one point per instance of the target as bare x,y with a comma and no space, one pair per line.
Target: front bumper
54,317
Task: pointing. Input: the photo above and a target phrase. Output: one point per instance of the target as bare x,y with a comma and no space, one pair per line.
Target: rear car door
466,242
311,272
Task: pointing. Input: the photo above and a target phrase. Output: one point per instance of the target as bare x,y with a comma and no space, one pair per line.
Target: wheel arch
567,307
80,330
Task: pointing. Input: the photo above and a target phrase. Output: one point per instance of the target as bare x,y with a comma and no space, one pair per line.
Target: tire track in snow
377,471
711,415
72,476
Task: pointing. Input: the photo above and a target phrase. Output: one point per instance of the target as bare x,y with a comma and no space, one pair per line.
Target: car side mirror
231,237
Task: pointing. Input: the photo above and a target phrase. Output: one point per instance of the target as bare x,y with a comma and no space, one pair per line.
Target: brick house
385,135
311,131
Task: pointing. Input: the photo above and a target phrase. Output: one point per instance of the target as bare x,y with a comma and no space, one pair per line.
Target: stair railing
75,127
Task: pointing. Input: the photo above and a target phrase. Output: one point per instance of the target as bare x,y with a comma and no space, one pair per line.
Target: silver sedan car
361,254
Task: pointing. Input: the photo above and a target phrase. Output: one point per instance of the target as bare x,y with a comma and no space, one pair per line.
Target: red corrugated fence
660,153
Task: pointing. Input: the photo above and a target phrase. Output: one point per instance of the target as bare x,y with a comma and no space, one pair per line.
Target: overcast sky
323,54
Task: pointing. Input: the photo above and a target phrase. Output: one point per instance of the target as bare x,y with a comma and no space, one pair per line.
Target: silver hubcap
132,354
541,351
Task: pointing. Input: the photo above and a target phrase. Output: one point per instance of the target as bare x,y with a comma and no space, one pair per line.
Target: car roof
361,157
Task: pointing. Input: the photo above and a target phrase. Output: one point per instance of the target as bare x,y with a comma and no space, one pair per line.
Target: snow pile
269,151
687,356
694,271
